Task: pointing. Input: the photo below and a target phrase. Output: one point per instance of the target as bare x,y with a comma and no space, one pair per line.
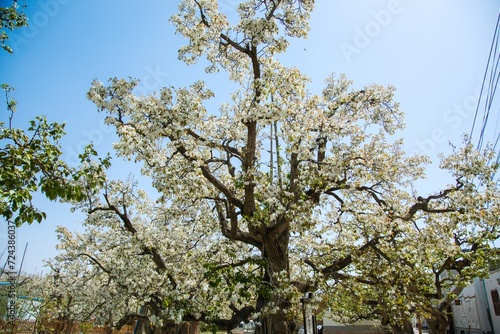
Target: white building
477,308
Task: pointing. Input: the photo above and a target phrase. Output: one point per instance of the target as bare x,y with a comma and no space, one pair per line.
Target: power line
490,84
489,87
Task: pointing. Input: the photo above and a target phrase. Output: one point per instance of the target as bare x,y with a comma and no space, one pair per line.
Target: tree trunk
404,328
407,326
275,251
438,325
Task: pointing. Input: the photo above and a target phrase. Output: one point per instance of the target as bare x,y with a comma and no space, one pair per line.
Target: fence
58,327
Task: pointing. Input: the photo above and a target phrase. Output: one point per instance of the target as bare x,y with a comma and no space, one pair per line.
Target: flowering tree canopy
425,264
311,184
138,260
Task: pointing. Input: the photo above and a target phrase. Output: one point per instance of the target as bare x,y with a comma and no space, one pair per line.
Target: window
496,301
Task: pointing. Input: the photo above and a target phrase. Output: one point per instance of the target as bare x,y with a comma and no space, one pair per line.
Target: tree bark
275,251
438,325
408,326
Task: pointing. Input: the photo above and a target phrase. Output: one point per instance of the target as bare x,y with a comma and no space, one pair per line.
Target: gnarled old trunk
438,325
405,327
275,251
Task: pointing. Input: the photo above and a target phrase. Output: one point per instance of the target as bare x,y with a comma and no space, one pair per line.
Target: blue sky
433,52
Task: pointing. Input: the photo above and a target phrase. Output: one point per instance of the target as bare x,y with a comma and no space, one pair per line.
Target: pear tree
310,183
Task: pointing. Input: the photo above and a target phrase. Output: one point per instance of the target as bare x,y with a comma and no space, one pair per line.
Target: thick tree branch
423,203
239,315
333,269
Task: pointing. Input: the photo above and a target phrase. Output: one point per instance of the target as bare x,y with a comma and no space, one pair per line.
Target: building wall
471,311
490,285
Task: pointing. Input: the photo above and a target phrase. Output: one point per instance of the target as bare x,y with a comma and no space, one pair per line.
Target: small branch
97,262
